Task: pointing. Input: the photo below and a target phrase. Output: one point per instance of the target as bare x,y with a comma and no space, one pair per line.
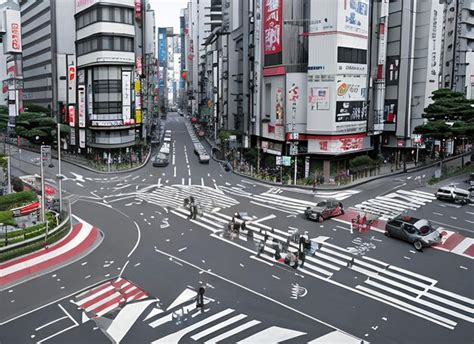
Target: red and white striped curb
79,239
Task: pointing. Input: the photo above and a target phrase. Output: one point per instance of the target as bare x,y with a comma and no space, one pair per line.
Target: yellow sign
138,116
137,86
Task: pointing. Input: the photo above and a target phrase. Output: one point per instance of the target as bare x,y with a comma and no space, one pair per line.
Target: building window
393,66
351,55
105,14
107,88
104,42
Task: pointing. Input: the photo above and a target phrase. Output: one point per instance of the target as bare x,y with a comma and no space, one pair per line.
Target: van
204,158
453,194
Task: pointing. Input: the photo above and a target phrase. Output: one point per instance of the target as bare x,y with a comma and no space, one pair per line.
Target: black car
418,232
324,210
161,160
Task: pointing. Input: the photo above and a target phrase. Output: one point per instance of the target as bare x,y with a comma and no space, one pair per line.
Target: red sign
272,26
138,9
72,72
138,65
72,115
15,29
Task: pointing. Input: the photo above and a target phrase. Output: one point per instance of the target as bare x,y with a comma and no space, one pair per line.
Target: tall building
111,46
458,47
48,35
406,57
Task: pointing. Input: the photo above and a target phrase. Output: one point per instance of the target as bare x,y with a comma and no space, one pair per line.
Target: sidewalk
82,238
385,171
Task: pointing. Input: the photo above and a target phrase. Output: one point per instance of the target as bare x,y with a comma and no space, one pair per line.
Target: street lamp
59,176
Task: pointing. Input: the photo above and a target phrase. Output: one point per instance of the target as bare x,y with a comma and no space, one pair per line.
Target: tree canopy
450,115
36,127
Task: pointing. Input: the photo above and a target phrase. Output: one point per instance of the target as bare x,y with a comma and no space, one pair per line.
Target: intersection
139,284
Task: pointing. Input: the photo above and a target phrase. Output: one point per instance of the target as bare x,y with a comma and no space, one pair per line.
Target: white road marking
276,277
218,326
174,172
64,330
51,322
182,249
189,181
202,181
235,330
269,217
439,214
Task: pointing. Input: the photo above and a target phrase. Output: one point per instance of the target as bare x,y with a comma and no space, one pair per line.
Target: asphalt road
391,293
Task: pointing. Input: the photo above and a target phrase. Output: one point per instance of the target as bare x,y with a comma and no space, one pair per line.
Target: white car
165,148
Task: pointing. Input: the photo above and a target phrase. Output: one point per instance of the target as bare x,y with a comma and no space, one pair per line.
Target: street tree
450,116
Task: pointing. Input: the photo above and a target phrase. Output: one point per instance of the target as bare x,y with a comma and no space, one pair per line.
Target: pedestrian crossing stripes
336,195
408,291
389,206
108,296
216,323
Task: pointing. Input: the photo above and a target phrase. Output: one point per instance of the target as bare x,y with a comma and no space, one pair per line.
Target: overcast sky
167,12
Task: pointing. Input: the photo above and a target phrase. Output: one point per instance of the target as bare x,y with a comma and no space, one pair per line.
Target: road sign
293,148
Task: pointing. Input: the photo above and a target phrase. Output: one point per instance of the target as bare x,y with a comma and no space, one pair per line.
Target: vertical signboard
71,82
126,97
296,102
72,116
272,26
82,107
12,20
354,17
82,138
138,9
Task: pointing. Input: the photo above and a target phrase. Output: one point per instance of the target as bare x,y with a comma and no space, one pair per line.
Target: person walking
200,298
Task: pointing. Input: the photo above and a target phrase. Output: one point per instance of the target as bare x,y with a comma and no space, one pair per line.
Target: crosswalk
108,296
395,203
399,288
216,323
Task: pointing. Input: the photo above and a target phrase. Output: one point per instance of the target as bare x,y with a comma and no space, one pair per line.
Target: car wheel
320,218
418,245
387,234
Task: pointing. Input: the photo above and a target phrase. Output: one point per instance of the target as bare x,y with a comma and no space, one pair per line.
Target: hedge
17,199
6,217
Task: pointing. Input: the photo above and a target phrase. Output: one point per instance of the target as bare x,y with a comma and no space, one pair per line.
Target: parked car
161,160
419,232
324,210
165,148
204,158
454,194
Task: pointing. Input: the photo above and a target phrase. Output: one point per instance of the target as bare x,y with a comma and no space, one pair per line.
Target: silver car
419,232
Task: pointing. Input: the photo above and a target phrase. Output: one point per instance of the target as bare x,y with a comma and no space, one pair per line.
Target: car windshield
161,156
321,204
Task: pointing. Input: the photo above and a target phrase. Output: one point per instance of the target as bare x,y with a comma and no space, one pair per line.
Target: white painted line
269,217
182,249
261,260
174,171
272,334
463,245
217,327
189,181
469,221
176,336
51,322
276,277
126,318
335,337
182,181
202,181
439,214
138,240
230,333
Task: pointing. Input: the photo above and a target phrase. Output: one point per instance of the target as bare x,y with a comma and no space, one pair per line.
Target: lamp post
59,176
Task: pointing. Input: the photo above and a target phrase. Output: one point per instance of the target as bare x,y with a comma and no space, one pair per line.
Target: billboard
126,96
272,26
72,115
82,138
341,144
351,111
354,17
296,102
82,107
318,98
12,43
351,88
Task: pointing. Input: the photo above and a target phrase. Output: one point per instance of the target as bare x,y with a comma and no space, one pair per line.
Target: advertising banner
323,16
272,26
351,111
126,96
355,17
319,98
352,88
82,107
138,10
71,81
138,116
12,43
82,138
72,115
337,145
295,104
72,136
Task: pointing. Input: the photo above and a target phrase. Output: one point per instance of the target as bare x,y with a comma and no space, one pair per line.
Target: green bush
17,184
35,108
17,199
6,217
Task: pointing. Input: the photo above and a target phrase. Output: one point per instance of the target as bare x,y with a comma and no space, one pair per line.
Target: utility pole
59,175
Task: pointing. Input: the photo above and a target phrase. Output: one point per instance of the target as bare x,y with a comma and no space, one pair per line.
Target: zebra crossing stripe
335,337
175,337
217,327
289,199
272,334
232,332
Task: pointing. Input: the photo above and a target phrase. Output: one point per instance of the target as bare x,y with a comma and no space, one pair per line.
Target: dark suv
324,210
418,232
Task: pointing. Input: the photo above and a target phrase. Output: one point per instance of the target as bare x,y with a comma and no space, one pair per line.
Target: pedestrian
243,226
350,263
200,298
250,234
314,184
195,210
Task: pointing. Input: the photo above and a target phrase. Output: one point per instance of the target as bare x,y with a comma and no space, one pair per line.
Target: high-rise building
48,35
111,46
